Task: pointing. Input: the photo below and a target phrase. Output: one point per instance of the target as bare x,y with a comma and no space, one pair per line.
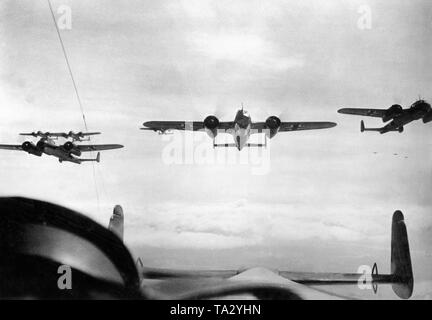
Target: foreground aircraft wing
98,147
261,280
377,113
11,146
156,273
181,125
256,283
294,126
104,267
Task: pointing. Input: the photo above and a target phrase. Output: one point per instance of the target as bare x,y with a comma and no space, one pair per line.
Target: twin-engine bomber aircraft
241,128
399,116
69,151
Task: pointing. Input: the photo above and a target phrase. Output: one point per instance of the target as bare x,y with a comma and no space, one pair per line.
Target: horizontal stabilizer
259,145
224,145
363,128
382,130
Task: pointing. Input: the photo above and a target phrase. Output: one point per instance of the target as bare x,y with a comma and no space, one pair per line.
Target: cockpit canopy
420,103
242,119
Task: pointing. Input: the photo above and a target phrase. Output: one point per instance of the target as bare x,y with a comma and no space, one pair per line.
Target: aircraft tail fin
401,275
139,264
401,267
116,223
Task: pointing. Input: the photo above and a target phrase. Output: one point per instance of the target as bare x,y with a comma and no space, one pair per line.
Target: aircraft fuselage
242,128
418,110
48,147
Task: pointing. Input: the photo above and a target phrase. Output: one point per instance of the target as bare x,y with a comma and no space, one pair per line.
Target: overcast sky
325,199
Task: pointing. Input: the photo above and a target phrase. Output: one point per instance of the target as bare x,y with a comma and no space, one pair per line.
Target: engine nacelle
427,117
70,147
31,148
273,124
211,124
392,112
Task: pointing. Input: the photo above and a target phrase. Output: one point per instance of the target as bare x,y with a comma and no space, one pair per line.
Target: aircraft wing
294,126
11,147
67,134
377,113
260,282
42,134
59,134
400,276
310,278
257,283
98,147
89,133
182,125
156,273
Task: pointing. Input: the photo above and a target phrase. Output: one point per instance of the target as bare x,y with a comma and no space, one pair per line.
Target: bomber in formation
399,117
241,128
69,151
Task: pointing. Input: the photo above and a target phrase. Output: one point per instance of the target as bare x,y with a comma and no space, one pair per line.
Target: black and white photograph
215,150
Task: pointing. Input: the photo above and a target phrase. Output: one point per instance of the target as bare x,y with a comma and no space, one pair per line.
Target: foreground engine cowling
392,112
211,124
31,148
70,147
428,117
273,124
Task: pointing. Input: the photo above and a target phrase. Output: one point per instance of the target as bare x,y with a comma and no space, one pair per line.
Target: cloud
249,50
242,223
